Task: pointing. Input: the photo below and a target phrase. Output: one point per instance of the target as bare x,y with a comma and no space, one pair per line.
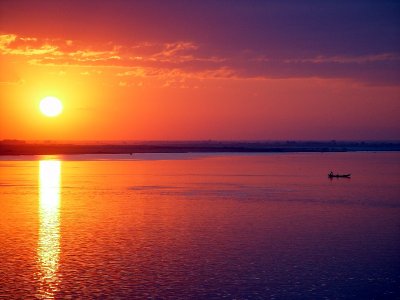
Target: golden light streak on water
48,250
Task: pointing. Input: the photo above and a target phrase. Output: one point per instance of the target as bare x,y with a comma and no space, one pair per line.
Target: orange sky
184,84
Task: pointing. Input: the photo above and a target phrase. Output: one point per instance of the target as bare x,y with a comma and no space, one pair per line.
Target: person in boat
330,173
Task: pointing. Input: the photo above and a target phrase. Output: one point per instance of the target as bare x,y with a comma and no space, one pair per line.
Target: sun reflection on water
48,250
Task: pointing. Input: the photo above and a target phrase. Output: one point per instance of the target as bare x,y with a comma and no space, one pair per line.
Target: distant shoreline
22,148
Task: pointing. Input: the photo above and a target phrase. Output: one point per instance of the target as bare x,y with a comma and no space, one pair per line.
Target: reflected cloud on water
48,249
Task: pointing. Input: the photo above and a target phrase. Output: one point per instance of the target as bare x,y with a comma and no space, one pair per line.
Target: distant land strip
12,147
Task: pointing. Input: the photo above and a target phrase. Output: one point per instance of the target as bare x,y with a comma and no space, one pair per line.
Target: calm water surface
200,226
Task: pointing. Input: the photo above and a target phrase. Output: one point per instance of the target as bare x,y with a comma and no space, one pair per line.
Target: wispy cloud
362,59
69,52
187,59
11,82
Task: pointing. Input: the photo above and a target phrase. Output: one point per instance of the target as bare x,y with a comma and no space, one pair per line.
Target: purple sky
355,42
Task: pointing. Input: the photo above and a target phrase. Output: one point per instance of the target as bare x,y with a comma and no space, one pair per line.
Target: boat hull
339,176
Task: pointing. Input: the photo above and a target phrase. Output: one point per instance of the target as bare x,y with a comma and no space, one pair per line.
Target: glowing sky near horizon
171,70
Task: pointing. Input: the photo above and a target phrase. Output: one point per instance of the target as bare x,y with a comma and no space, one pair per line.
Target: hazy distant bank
46,148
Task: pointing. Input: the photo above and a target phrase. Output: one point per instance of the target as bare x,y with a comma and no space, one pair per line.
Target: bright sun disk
50,106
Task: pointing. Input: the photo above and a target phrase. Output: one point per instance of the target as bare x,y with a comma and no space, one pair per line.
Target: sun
51,106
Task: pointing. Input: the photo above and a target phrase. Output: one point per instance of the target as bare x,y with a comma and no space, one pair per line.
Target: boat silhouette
331,175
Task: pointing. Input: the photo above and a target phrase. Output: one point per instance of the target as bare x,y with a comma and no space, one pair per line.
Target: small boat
331,175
